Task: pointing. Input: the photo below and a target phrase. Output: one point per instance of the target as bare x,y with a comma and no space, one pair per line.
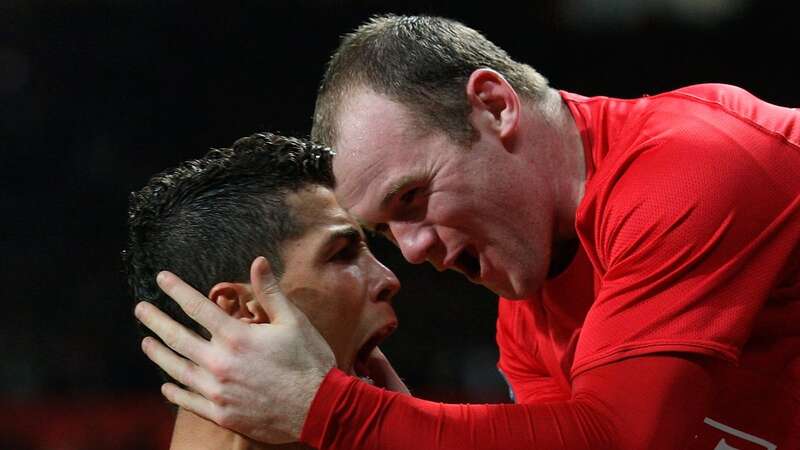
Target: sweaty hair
421,62
208,219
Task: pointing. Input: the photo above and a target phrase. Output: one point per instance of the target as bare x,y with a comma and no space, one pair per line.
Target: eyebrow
397,187
350,234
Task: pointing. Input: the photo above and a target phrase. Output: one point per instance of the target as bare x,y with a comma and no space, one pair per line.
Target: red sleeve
520,363
647,402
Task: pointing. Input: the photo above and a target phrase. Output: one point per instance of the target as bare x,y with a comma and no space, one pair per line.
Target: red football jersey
689,231
689,228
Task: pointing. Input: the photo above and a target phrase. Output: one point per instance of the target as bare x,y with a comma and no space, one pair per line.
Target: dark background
96,96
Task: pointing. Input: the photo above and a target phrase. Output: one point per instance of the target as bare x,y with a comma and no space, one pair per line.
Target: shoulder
697,143
678,194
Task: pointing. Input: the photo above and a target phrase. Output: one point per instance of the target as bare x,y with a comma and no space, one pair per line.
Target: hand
256,379
381,372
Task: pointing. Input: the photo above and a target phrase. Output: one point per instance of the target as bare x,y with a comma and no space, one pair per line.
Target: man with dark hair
646,253
210,220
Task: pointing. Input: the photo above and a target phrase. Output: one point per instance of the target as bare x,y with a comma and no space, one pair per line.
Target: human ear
495,103
237,300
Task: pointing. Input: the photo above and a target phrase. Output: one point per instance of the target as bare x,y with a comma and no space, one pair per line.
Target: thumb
268,294
383,374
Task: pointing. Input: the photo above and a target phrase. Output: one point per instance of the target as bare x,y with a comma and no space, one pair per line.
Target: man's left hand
256,379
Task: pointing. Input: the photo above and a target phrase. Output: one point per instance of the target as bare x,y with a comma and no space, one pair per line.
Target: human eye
348,250
410,196
411,204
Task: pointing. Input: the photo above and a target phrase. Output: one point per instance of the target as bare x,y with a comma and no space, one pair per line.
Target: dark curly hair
207,219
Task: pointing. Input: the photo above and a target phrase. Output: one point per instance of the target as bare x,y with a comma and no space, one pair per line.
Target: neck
192,432
563,147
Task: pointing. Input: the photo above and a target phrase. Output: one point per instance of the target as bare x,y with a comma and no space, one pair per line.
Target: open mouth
469,263
361,365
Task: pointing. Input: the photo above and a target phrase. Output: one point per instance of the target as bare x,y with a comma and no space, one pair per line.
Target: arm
646,402
717,245
520,361
245,369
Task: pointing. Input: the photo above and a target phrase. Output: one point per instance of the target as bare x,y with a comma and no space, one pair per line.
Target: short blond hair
423,63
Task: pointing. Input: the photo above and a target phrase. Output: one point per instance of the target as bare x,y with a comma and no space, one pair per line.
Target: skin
332,277
447,202
244,370
438,199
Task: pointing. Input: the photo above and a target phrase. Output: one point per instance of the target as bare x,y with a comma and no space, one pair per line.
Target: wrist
328,396
307,392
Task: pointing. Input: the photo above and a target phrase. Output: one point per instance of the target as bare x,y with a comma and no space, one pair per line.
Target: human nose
386,285
415,240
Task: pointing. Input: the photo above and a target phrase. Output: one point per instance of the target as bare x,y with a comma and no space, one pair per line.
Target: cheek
465,216
333,302
350,289
451,210
313,301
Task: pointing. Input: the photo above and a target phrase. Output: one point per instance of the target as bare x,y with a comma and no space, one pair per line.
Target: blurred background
96,96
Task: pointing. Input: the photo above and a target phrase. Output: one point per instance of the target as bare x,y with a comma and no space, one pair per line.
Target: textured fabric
689,220
677,325
348,414
689,227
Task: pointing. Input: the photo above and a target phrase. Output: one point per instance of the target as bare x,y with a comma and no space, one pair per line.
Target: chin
517,289
511,294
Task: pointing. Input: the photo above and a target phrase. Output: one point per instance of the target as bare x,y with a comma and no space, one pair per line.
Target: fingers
181,369
377,354
189,401
382,372
269,296
175,335
196,305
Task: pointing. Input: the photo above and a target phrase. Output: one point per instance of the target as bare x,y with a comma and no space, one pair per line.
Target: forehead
315,208
376,143
323,222
365,116
321,219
